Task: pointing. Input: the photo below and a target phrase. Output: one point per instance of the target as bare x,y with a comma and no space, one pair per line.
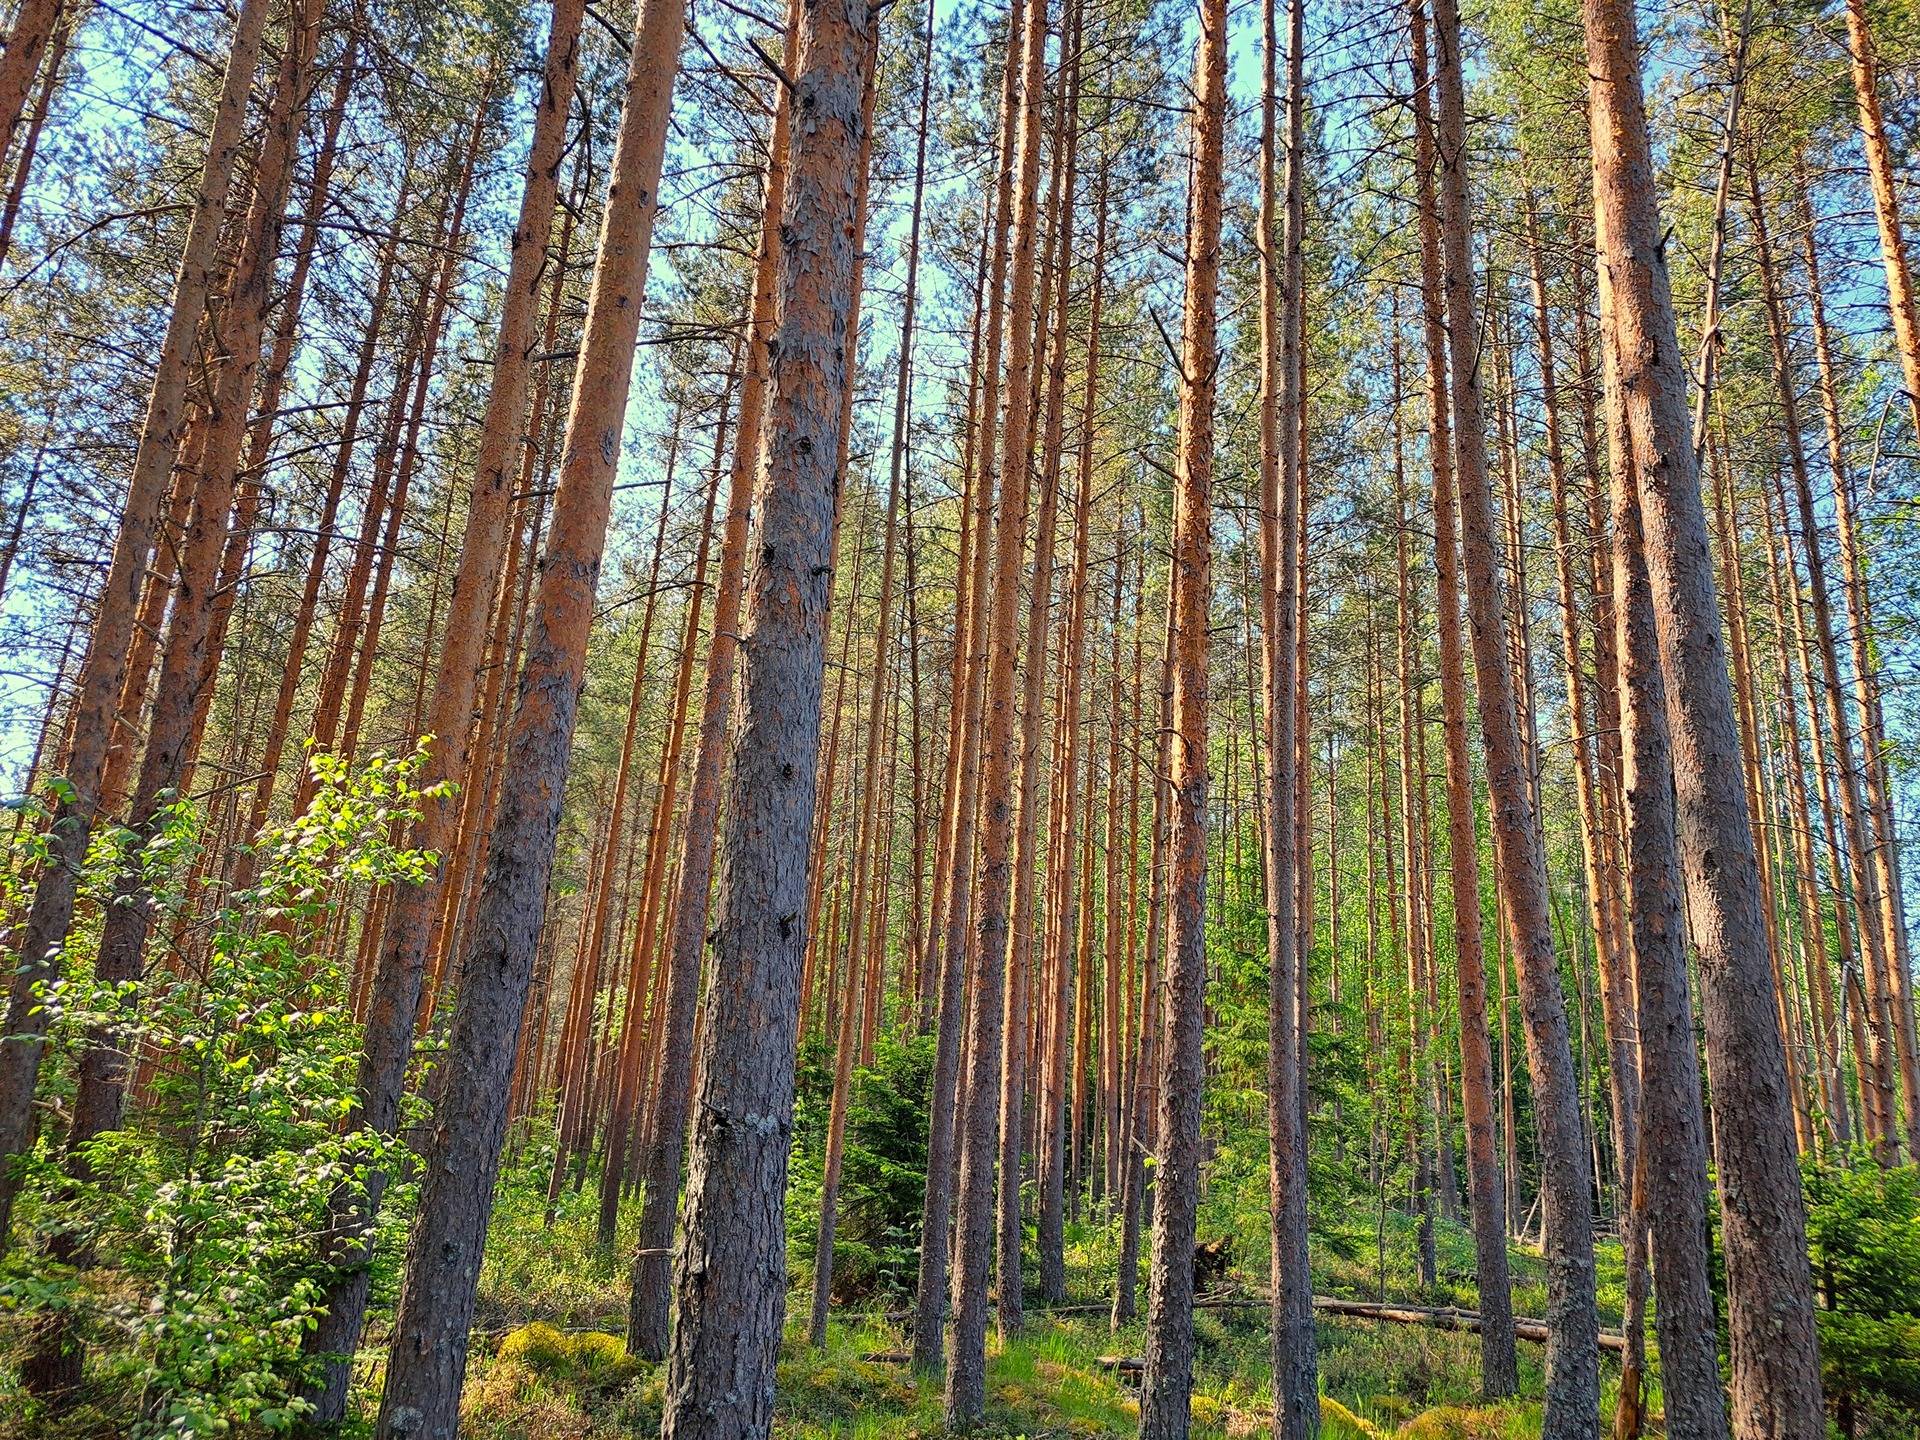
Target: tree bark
731,1275
1573,1380
987,956
428,1358
1166,1399
102,674
1776,1369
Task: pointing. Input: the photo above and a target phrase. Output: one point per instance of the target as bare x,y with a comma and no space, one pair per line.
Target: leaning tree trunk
1776,1363
394,999
647,1318
731,1274
1487,1191
54,1369
1166,1398
1573,1356
429,1352
96,692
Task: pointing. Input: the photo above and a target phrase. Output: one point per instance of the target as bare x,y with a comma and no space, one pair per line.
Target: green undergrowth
541,1382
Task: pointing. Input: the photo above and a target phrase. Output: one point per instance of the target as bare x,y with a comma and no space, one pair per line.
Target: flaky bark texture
428,1358
90,720
647,1316
394,999
1573,1358
1166,1390
730,1278
1672,1148
1776,1364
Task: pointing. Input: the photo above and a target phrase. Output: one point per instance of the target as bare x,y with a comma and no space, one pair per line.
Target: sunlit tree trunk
1776,1370
96,690
429,1348
731,1274
1166,1388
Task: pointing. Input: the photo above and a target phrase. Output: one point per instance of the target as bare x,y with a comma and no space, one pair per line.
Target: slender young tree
1166,1396
1498,1362
1573,1356
989,949
1282,485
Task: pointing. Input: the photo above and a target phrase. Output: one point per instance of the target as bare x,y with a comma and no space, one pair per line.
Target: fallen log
1441,1317
1447,1317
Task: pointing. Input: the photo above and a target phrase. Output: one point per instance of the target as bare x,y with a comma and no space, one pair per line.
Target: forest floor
549,1363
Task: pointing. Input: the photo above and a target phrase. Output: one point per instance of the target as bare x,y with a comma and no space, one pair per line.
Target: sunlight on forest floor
548,1364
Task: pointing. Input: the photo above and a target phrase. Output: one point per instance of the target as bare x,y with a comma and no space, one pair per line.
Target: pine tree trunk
647,1321
1573,1381
1282,481
91,717
1498,1362
26,45
1902,305
988,952
731,1275
1673,1126
1776,1369
428,1358
1166,1387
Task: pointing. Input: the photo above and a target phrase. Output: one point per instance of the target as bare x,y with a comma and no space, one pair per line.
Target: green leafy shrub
200,1214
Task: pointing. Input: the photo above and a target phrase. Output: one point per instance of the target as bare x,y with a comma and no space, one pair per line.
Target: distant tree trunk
1876,821
1051,1165
731,1275
1144,1102
1014,1077
1776,1367
429,1350
1892,1071
97,689
1902,305
1573,1378
1498,1362
932,1290
278,724
1282,482
1166,1388
974,1229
